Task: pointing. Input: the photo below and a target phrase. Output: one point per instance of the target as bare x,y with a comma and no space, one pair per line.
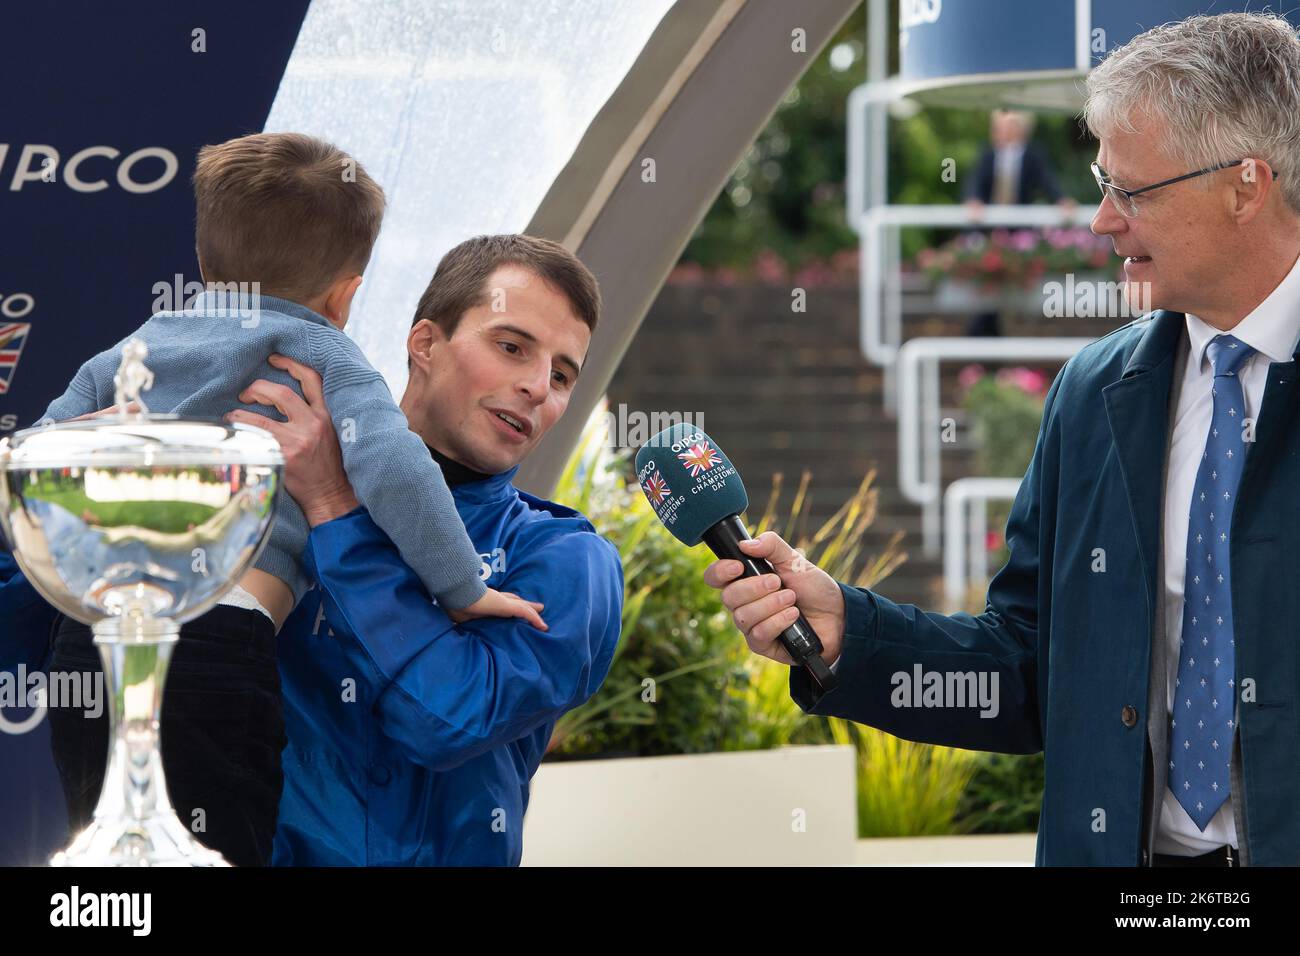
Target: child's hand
501,604
132,408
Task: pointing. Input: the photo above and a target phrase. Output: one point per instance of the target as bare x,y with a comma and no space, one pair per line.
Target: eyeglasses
1124,198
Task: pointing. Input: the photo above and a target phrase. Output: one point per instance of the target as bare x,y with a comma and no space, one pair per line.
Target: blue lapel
1277,410
1137,408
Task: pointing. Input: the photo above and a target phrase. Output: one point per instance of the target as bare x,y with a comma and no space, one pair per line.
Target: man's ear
1251,190
423,337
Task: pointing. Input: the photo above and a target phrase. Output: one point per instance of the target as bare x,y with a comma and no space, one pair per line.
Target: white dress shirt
1006,173
1273,330
238,597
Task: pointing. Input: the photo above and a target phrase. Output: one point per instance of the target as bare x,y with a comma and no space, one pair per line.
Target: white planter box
995,849
790,807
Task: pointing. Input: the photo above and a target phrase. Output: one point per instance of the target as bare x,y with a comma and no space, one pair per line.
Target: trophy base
156,840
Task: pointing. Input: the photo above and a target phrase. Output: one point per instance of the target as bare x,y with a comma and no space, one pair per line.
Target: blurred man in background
1011,171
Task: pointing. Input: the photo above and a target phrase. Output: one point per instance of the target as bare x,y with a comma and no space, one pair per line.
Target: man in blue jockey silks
412,739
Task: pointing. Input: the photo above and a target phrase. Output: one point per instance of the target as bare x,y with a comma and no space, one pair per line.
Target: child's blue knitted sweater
205,356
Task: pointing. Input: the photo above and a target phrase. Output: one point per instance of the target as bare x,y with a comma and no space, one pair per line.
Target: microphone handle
799,639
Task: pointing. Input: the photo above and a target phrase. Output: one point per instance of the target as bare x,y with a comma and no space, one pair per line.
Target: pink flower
992,540
1028,380
969,375
686,273
814,273
769,268
845,262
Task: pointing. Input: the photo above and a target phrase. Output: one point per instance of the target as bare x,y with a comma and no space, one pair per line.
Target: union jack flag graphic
656,489
699,458
13,336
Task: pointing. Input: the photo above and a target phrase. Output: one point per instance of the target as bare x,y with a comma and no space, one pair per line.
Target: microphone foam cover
689,482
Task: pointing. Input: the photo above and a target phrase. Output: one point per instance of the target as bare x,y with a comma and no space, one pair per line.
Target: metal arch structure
703,88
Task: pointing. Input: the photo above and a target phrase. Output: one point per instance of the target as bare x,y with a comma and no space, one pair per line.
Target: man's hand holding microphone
697,493
764,606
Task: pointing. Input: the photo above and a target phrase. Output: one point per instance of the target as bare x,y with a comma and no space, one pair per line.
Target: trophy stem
136,653
134,823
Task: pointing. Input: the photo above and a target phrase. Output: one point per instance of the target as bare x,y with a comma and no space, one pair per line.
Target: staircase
785,391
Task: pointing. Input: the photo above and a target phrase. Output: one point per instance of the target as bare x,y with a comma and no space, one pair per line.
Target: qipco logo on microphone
687,440
696,454
698,457
658,493
92,169
653,484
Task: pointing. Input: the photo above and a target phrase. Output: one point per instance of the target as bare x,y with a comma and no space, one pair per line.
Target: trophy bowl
135,524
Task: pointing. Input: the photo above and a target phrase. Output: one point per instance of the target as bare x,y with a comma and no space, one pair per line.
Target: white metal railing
880,328
868,129
919,441
966,498
911,371
911,385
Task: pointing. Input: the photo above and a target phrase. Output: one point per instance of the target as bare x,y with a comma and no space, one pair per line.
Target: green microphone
697,493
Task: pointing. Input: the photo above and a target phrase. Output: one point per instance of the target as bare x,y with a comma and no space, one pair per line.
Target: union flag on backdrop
13,336
699,457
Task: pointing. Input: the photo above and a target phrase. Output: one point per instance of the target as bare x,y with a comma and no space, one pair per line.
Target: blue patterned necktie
1200,744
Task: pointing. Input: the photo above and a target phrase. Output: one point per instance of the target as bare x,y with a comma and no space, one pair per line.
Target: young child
285,226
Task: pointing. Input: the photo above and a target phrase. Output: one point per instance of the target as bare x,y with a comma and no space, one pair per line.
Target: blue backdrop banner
966,38
105,107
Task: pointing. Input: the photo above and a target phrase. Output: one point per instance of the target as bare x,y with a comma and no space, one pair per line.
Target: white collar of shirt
1008,156
1272,328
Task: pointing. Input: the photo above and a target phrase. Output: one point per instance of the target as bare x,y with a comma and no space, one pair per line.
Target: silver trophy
135,523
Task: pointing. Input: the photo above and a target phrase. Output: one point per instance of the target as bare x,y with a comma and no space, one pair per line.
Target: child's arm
402,487
444,694
496,603
79,399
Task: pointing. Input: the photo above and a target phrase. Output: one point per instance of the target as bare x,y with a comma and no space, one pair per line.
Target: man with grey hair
1140,633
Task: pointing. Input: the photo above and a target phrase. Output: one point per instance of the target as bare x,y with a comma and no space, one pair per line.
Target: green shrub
904,788
709,693
1006,790
1004,795
683,680
666,689
1005,410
